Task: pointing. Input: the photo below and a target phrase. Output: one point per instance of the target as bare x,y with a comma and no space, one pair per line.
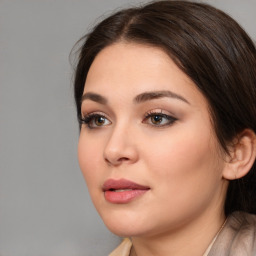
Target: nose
121,147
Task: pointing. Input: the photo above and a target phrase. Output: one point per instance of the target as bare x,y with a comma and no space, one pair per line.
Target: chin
126,230
124,225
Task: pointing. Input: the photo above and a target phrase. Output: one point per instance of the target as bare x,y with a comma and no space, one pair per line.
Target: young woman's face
147,148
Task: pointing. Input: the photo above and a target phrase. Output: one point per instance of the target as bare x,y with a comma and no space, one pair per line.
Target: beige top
236,238
125,247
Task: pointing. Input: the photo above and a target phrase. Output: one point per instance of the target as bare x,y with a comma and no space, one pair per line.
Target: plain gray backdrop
45,209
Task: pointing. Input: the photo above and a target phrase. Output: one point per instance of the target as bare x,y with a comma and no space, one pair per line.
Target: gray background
44,204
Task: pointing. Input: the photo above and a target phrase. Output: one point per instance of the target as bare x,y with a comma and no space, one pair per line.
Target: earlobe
242,156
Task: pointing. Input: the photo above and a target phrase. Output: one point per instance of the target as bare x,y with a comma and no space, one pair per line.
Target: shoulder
238,237
123,249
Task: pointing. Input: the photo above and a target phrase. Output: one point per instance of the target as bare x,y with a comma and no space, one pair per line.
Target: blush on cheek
187,158
84,157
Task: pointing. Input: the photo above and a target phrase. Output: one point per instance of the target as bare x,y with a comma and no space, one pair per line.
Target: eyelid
90,107
159,112
86,118
100,113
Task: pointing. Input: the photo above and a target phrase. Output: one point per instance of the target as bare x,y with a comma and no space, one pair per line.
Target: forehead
127,60
131,69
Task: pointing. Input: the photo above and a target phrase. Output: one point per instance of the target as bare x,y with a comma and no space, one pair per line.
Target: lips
122,191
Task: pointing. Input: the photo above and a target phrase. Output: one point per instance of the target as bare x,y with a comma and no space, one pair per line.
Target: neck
192,239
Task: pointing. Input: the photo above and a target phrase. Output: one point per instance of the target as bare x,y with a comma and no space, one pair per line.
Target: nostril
119,151
123,159
108,162
117,161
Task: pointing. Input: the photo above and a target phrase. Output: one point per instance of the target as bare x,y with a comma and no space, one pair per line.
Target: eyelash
170,119
89,119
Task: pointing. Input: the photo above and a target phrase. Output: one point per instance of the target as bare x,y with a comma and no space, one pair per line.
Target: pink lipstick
122,191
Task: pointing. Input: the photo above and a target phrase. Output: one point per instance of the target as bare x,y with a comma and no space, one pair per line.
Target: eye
94,120
159,119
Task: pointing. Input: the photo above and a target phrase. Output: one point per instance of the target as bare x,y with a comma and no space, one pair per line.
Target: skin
180,161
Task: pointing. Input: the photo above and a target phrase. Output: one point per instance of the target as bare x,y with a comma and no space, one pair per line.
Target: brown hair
207,45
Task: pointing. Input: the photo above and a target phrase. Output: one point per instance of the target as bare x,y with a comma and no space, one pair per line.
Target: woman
165,96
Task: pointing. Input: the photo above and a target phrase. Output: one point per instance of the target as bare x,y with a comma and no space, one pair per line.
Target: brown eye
159,119
156,119
100,120
95,120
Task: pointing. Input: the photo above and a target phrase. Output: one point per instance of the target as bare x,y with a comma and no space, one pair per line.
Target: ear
242,156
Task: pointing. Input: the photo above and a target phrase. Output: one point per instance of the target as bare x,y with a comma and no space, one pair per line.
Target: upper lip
112,184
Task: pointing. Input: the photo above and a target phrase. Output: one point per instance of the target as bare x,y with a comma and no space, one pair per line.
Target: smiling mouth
122,191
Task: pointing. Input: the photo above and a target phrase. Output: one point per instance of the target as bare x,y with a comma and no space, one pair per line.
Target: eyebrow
94,97
145,96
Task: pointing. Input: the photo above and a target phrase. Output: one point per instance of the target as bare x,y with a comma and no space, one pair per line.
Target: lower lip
123,196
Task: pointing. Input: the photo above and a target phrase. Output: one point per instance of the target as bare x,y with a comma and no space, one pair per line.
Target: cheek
88,158
185,161
181,169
